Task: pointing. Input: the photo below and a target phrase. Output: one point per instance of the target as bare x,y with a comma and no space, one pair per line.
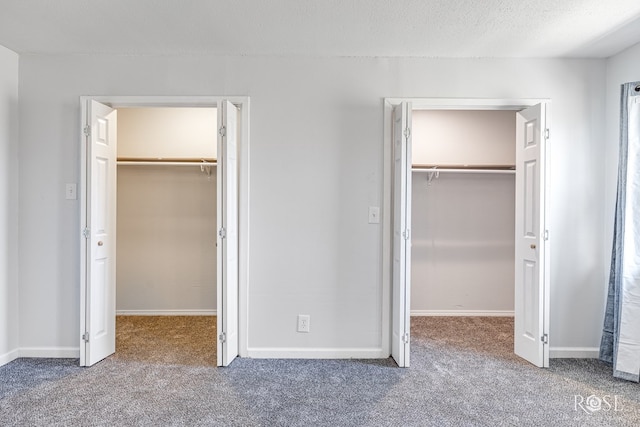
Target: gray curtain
620,343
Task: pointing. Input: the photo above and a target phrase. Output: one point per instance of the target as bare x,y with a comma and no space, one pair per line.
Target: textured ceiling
421,28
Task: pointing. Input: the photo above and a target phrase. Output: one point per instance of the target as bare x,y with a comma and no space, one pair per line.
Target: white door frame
387,226
242,102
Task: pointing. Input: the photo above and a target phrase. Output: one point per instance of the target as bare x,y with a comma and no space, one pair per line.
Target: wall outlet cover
304,323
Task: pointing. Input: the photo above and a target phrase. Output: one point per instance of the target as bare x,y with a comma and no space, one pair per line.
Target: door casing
242,102
387,229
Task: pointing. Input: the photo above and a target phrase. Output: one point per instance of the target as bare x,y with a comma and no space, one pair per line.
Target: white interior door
401,281
98,333
227,234
531,337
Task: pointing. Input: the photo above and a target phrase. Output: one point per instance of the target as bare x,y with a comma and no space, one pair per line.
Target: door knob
100,243
533,246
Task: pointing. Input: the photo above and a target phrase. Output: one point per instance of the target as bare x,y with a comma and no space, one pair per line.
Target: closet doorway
143,263
467,198
166,235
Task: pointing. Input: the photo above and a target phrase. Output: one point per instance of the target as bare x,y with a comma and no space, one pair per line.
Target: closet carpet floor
166,340
463,373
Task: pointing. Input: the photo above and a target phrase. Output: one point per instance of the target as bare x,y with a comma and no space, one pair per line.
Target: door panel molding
227,240
401,252
97,333
530,332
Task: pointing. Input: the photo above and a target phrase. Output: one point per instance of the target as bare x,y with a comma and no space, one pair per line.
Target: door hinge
546,234
405,338
222,233
546,134
86,233
87,130
544,338
222,131
85,337
407,133
406,234
222,337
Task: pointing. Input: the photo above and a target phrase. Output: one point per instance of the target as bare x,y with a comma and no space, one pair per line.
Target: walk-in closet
166,234
463,212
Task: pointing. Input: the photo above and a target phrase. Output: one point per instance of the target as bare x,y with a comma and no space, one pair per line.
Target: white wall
621,68
464,137
166,240
178,133
8,205
463,225
315,168
463,244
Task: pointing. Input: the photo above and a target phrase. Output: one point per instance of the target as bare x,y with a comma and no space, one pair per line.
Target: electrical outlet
304,323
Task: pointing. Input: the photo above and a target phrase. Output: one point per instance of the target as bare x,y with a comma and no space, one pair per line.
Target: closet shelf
205,164
494,169
165,162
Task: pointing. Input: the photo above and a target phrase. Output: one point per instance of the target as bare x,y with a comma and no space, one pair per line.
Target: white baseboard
9,357
166,312
288,353
51,352
454,313
574,352
316,353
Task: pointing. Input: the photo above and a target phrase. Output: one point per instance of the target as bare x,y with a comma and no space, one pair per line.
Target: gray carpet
458,377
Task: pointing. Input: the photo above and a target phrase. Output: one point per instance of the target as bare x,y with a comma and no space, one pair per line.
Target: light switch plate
70,192
374,215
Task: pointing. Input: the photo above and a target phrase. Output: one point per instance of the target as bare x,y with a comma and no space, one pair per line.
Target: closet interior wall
463,223
166,213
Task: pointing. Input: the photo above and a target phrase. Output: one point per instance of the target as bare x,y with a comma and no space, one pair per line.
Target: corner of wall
9,286
574,352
